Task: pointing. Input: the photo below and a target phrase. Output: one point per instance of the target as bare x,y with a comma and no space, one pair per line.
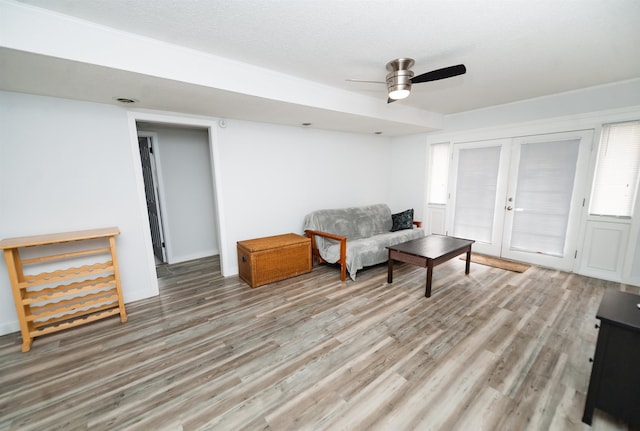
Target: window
438,173
476,190
616,179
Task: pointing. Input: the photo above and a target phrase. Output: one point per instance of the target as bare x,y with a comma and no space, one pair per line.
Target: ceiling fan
401,77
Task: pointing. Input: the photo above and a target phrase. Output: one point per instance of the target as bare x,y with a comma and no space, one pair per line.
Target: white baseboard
137,295
193,256
9,327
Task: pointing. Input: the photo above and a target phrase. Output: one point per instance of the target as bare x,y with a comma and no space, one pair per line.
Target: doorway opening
179,188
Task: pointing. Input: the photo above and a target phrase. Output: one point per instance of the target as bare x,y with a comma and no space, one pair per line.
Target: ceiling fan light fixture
399,86
399,78
397,93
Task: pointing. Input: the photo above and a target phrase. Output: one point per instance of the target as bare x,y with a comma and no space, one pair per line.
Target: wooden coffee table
428,252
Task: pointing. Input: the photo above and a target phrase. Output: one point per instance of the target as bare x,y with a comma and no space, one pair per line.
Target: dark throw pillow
403,220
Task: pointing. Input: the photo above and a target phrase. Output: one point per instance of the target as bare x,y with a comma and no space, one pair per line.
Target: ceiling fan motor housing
399,77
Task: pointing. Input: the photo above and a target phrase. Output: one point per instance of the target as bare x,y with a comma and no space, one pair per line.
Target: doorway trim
173,119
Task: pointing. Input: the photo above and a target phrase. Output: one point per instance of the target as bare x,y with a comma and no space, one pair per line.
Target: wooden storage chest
266,260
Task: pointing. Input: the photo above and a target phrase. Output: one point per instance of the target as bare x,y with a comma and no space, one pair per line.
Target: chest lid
271,242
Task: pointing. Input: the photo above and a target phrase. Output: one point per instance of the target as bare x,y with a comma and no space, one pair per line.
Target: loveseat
357,237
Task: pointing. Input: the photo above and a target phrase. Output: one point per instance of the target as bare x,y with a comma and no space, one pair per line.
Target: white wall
580,110
64,166
187,195
574,110
68,165
408,174
274,175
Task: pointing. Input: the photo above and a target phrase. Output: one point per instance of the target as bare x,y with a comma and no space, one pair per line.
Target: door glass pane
476,186
541,207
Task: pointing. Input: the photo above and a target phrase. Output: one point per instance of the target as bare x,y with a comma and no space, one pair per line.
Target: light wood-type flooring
495,350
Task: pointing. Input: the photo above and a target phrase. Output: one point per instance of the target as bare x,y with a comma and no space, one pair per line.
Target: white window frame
600,170
443,170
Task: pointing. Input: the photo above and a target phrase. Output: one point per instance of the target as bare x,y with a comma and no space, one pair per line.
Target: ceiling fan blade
434,75
363,80
390,100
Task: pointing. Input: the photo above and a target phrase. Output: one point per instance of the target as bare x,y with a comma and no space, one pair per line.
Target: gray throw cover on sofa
368,233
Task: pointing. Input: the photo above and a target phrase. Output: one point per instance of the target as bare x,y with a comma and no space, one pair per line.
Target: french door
521,198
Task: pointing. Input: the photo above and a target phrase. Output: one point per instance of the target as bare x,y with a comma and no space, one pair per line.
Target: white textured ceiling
513,49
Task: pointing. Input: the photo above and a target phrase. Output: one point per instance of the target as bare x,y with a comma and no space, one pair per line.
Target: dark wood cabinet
614,386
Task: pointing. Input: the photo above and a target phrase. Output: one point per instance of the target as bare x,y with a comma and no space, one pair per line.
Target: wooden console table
63,297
